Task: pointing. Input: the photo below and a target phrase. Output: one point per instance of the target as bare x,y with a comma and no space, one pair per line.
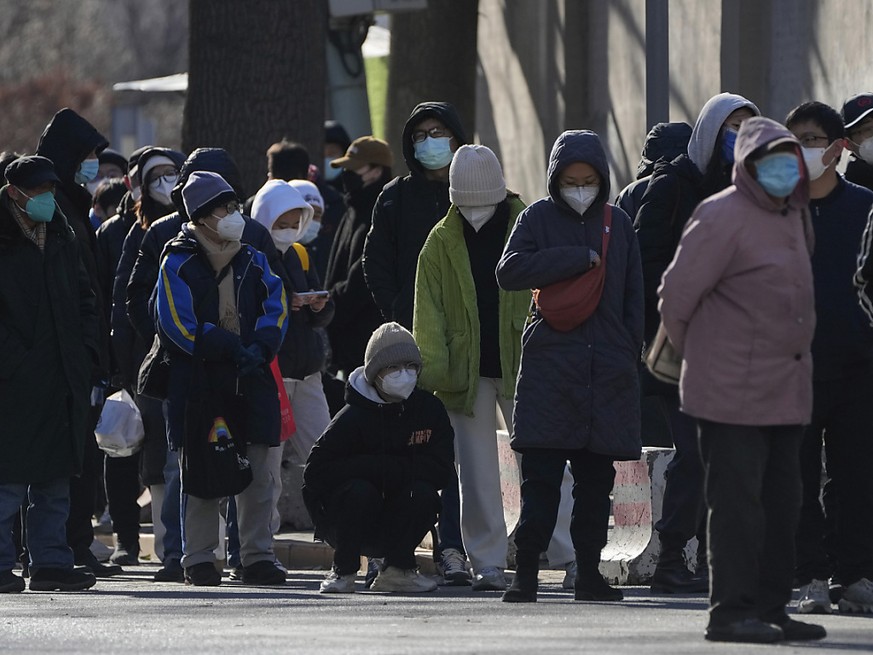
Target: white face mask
283,239
397,386
865,150
814,164
478,216
136,193
93,184
160,189
311,232
230,228
580,197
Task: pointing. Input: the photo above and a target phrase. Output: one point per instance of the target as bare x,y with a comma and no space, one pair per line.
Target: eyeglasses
169,178
399,367
230,208
436,132
813,140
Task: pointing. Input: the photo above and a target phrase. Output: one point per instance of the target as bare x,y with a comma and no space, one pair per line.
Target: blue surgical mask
728,141
87,170
311,232
778,174
434,154
330,173
40,208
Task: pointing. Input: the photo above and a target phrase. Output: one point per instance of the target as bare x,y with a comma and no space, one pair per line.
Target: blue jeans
171,509
46,523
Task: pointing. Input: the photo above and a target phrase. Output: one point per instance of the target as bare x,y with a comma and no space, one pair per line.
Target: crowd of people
387,326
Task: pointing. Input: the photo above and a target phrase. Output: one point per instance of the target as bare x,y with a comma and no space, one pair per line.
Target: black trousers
842,419
360,521
542,471
83,494
121,477
683,503
753,492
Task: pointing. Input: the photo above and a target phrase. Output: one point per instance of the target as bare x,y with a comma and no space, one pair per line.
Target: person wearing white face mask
857,114
219,302
842,365
577,391
281,208
469,333
372,480
313,198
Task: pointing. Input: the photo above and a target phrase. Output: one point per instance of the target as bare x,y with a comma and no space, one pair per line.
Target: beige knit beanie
475,178
390,344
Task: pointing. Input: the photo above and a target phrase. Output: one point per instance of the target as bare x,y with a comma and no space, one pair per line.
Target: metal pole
657,62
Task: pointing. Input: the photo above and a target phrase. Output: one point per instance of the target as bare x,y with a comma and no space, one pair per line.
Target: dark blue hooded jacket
578,389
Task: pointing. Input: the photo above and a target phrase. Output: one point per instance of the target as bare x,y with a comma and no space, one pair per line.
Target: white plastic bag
119,431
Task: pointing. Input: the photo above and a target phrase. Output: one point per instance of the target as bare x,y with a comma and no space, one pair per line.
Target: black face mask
352,182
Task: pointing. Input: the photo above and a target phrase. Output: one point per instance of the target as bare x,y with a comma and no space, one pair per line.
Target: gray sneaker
454,568
335,583
814,598
569,581
489,578
857,598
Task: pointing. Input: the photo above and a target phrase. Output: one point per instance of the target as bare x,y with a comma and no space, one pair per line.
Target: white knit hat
475,178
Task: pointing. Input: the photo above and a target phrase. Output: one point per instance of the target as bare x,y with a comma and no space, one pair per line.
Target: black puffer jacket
388,444
405,213
356,312
579,389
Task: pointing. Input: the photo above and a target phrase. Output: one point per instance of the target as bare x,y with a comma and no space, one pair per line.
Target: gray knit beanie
389,345
475,178
203,188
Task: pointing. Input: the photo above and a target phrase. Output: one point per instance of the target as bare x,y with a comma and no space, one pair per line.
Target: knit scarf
219,256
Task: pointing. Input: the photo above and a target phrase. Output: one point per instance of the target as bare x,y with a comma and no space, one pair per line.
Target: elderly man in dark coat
49,332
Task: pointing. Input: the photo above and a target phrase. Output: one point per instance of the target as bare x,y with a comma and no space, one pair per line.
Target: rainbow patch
219,430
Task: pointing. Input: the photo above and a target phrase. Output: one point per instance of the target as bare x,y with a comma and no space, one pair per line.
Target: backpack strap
302,255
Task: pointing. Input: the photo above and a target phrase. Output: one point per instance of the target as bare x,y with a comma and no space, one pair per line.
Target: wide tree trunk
433,57
256,75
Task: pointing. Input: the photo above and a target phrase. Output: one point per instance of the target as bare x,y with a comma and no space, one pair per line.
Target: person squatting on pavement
842,357
404,214
577,395
737,302
469,333
49,329
372,481
218,301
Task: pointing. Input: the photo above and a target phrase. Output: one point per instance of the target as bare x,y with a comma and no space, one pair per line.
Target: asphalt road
131,614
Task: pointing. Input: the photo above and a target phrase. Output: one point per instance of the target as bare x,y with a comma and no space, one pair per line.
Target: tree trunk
256,75
433,57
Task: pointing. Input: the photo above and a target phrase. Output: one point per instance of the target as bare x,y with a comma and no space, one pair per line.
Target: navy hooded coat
577,390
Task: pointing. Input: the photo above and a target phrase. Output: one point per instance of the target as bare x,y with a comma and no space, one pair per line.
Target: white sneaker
454,568
814,598
857,597
402,580
335,583
490,578
569,581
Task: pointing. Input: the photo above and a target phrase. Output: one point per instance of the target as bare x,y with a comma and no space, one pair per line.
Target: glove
248,359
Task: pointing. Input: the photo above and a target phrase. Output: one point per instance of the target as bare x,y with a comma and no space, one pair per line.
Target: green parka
446,318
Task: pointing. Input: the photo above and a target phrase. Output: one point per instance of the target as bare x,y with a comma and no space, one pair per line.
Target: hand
249,359
594,260
317,303
298,301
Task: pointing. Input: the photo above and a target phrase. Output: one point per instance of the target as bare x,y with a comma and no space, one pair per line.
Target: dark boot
673,577
590,584
524,586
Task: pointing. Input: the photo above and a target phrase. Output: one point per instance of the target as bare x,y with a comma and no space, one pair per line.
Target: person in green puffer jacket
469,333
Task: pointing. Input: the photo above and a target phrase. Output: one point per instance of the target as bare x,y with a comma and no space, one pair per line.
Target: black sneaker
264,572
124,556
750,631
171,571
678,580
97,569
10,583
74,579
799,631
202,575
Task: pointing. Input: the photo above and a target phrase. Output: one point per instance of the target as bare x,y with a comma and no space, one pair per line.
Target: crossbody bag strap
607,228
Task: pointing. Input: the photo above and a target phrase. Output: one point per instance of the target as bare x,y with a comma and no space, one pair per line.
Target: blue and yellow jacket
187,295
